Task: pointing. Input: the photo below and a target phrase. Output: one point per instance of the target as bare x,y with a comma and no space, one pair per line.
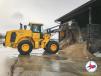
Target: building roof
33,24
79,10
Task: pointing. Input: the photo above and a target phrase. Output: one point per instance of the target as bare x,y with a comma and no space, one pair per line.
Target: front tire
52,47
25,47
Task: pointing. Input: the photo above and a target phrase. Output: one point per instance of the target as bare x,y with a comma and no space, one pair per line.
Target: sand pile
64,43
77,50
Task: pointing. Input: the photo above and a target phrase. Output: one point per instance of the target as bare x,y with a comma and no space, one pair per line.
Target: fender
24,38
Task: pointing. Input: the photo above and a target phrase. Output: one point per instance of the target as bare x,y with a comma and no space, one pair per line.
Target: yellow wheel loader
26,40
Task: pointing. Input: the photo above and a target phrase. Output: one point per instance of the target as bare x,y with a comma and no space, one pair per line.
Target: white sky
12,12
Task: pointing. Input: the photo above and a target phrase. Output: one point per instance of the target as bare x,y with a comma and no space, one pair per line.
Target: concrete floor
38,65
53,65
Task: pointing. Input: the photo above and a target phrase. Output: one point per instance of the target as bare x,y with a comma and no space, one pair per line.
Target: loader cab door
36,29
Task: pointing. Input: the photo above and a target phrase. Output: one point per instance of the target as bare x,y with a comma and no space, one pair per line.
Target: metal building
88,18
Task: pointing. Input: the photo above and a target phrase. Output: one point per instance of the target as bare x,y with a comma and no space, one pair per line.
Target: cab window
36,28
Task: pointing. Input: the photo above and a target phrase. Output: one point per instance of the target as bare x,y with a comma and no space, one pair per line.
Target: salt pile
77,50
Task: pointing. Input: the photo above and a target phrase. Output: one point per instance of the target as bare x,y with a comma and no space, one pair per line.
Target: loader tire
25,47
52,47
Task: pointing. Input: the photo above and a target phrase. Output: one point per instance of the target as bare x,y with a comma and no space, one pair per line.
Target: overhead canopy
81,14
33,24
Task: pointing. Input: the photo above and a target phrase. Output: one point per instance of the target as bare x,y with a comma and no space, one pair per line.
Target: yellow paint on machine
36,38
26,40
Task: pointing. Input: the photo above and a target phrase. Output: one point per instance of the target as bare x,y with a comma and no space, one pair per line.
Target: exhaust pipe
21,26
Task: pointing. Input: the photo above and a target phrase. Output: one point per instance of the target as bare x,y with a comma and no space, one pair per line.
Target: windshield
36,28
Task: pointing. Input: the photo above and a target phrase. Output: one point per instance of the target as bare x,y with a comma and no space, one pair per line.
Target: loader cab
36,28
37,32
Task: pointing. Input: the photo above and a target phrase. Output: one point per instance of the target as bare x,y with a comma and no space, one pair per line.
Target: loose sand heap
77,50
65,43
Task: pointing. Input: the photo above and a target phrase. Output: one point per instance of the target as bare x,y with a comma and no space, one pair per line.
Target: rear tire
27,49
52,47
